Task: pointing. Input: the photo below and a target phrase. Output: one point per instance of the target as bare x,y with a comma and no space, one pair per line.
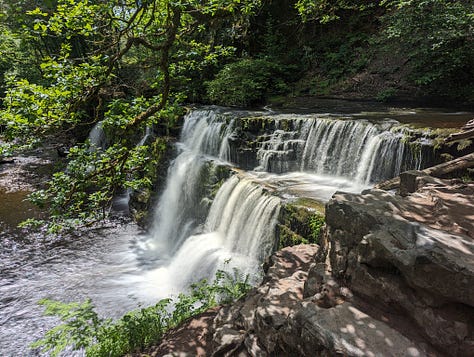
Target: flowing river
201,220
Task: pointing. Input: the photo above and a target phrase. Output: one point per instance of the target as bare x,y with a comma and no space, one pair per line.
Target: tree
437,38
123,63
326,10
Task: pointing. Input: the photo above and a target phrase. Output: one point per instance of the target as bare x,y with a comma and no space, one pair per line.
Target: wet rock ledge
394,276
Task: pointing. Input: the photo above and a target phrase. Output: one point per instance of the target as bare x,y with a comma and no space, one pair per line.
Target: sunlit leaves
34,110
325,11
436,36
82,328
127,64
70,18
245,82
83,192
82,323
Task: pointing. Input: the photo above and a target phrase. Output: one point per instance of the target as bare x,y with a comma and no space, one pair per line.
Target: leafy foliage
82,328
325,10
436,36
129,65
433,38
316,224
245,82
83,192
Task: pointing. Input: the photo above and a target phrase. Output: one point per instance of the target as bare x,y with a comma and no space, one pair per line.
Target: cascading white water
278,152
240,225
241,221
145,136
203,137
240,228
381,158
342,147
97,138
245,215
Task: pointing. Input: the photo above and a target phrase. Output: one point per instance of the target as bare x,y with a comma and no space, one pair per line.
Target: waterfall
342,147
245,215
240,228
97,138
191,239
203,138
352,150
382,158
145,136
241,222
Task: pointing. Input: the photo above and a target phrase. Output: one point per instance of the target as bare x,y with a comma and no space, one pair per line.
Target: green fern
83,329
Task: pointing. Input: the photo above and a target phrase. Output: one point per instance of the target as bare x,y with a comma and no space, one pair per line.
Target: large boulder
413,255
278,319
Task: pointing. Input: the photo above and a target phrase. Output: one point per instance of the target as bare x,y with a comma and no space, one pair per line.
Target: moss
212,177
217,175
289,238
257,124
464,144
160,153
300,224
311,203
140,216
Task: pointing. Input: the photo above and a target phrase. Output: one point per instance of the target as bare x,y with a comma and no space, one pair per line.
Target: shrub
246,82
436,38
83,329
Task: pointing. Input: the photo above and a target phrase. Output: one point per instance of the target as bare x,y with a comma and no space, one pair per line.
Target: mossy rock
161,152
300,224
214,175
257,125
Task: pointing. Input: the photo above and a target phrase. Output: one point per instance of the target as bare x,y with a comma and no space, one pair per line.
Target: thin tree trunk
468,134
440,170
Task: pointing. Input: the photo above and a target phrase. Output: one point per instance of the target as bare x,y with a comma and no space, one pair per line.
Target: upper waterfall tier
343,147
357,149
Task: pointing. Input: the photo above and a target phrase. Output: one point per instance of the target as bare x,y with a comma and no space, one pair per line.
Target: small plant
386,95
316,223
82,328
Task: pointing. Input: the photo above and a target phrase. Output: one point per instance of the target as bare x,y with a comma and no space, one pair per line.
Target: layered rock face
412,255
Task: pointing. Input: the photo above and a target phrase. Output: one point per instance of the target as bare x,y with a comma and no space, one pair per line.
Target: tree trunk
468,134
440,170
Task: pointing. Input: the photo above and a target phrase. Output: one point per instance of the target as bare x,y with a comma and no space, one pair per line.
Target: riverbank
86,263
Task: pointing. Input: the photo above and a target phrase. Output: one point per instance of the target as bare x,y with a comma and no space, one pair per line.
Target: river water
120,268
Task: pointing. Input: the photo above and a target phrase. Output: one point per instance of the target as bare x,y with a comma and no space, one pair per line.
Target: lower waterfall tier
239,231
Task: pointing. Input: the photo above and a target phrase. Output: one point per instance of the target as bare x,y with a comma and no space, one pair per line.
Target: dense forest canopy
66,65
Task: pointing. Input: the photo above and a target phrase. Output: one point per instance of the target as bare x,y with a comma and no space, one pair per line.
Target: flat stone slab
347,331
